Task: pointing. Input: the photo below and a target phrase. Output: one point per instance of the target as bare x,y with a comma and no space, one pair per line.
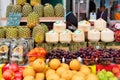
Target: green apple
109,74
113,78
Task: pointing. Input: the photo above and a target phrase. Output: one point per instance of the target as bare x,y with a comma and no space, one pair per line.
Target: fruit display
16,8
11,32
87,56
106,75
45,27
8,9
32,20
4,51
66,36
59,26
36,53
107,35
12,72
18,51
78,36
34,2
51,37
59,10
26,10
48,10
35,71
93,35
100,24
38,8
72,71
24,32
38,33
2,32
84,25
20,2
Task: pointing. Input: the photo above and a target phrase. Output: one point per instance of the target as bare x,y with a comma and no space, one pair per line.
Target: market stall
53,40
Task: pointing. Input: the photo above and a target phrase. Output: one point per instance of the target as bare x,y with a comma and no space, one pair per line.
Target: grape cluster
60,54
89,55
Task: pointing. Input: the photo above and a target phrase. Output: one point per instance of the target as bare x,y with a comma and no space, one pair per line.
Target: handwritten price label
14,19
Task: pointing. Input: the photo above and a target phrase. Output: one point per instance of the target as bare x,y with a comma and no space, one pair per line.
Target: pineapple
20,2
48,10
11,32
45,27
59,10
16,8
38,8
38,34
9,8
34,2
24,32
2,32
32,20
27,9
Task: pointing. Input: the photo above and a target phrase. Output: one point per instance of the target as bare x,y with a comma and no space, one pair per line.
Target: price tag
63,60
79,59
14,19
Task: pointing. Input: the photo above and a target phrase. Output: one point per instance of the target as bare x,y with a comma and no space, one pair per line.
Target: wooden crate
113,45
76,46
97,45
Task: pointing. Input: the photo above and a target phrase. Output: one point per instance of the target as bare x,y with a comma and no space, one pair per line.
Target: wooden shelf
42,19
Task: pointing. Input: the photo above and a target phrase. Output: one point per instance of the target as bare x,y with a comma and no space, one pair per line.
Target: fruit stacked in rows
43,11
36,71
26,10
62,55
88,55
106,75
12,72
72,71
58,71
15,32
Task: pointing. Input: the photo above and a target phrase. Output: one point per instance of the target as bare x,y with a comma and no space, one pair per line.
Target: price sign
14,19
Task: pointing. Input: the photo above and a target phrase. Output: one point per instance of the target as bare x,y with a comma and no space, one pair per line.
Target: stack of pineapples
32,11
35,6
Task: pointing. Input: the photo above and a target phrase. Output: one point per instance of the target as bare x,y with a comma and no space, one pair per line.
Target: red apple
18,74
14,67
115,69
8,75
5,67
21,69
18,78
117,75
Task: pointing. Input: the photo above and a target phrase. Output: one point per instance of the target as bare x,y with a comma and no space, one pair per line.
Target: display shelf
42,19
